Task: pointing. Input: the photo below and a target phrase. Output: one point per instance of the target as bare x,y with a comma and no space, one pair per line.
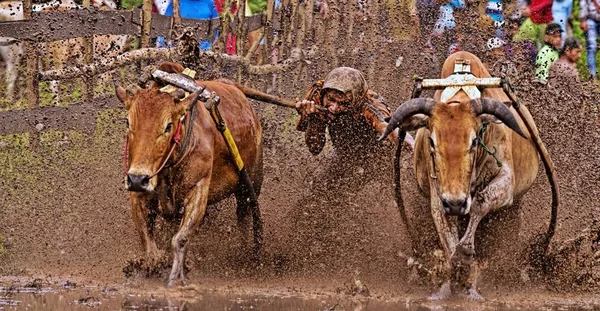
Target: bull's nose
138,183
455,207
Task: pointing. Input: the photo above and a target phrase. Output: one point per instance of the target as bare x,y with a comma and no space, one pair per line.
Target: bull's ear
488,118
189,102
415,122
178,94
122,95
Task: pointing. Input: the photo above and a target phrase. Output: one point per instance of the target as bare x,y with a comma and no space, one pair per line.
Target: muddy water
107,298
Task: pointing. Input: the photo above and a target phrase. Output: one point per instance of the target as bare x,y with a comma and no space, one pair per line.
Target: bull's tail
397,182
261,96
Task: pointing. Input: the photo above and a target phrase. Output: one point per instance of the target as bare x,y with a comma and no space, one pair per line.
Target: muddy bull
472,157
178,162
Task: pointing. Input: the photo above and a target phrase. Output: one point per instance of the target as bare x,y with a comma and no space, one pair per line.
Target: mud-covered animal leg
498,194
144,210
195,207
448,234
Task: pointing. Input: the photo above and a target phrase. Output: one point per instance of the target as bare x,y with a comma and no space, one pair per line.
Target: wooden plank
60,25
80,116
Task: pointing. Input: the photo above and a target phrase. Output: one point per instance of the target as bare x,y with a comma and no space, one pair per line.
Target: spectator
561,10
548,53
538,14
444,29
502,64
566,65
589,16
495,12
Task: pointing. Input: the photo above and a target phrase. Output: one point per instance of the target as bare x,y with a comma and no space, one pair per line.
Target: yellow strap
229,141
233,149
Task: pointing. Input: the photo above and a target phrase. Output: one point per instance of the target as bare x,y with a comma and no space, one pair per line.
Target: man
566,65
589,16
538,14
548,54
354,115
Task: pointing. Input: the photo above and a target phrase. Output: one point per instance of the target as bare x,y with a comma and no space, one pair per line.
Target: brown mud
64,214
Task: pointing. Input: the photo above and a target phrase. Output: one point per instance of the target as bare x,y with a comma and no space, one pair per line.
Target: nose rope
484,147
174,141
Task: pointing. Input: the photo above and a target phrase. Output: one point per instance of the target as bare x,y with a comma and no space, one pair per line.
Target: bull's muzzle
137,183
456,206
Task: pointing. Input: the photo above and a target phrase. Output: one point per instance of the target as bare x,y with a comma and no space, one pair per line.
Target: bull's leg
244,206
195,208
144,208
448,234
497,194
167,203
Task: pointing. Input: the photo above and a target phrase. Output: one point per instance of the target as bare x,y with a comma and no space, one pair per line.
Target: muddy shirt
562,69
355,131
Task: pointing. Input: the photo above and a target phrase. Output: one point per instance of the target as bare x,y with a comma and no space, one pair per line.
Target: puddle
94,298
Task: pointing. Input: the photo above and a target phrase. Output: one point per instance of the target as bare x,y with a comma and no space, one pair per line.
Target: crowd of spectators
537,36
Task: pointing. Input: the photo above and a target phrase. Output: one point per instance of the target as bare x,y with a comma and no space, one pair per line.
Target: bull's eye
431,143
474,143
168,128
127,123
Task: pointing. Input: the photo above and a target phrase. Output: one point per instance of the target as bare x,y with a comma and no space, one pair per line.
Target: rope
484,147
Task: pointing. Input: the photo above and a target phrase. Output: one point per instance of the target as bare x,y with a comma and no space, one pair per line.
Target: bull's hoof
176,282
149,266
473,295
463,255
444,293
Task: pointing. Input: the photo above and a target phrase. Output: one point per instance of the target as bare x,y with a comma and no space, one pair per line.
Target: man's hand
306,107
584,25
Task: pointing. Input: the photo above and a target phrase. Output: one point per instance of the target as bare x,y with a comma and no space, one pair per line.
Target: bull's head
152,120
453,141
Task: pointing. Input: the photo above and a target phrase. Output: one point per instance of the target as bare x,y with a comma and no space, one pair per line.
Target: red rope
174,142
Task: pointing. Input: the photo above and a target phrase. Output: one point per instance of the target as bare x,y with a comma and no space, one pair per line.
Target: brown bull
453,168
198,171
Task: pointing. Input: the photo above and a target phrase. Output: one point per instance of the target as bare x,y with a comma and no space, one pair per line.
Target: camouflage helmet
348,81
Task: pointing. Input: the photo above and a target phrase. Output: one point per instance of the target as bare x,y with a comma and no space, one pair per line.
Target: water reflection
101,299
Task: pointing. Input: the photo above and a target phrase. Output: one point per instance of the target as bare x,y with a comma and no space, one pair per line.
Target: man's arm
312,122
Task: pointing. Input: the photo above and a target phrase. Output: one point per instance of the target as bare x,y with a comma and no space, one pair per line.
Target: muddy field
65,217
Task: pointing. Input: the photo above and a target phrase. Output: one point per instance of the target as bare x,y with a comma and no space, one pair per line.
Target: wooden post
176,13
31,84
146,23
239,33
88,57
225,15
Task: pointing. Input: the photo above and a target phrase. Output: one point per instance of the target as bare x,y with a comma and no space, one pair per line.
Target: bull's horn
499,110
407,110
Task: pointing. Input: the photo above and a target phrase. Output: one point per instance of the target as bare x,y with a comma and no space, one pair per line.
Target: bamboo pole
160,53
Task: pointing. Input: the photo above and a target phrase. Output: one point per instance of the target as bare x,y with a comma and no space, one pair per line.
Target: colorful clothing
545,58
